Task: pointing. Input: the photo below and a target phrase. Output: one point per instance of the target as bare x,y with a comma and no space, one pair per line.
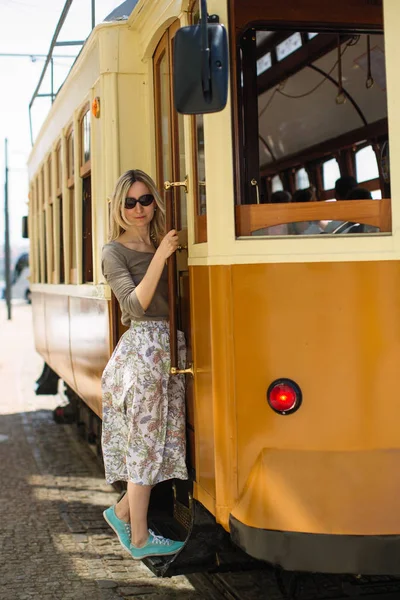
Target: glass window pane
330,172
366,165
86,138
276,184
71,155
201,168
182,173
72,237
302,180
49,178
376,194
264,63
288,46
59,168
164,81
44,273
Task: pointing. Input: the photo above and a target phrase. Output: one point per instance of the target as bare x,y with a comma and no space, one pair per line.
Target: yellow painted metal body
334,328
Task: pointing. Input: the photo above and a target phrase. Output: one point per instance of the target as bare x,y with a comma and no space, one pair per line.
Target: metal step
207,548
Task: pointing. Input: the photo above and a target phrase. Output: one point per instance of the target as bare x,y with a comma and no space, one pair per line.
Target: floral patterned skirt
144,428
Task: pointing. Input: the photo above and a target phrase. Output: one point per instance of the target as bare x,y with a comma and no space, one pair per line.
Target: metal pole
93,14
52,79
7,236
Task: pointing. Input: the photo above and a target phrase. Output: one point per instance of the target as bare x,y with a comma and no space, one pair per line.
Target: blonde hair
118,220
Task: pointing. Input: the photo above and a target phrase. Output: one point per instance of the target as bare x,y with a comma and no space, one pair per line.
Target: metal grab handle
175,371
254,183
171,184
171,265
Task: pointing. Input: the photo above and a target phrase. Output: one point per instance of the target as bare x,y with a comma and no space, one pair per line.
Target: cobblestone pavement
54,543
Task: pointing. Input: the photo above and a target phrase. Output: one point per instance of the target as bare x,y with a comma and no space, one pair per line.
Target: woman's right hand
169,244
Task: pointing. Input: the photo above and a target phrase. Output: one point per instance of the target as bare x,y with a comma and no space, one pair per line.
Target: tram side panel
72,336
39,327
205,481
56,329
90,347
333,328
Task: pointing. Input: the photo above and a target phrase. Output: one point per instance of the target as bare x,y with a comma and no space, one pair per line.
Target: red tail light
284,396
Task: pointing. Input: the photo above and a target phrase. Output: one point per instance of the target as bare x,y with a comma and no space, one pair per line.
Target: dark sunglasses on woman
144,200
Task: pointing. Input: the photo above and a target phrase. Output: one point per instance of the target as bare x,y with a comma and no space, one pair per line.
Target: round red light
284,396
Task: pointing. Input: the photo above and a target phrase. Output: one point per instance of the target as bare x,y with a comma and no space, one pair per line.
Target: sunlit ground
20,365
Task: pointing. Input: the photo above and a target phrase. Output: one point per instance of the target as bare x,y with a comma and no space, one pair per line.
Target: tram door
171,166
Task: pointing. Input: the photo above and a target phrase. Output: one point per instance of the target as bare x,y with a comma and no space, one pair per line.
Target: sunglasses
144,200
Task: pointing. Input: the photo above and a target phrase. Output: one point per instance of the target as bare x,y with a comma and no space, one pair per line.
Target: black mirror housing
190,90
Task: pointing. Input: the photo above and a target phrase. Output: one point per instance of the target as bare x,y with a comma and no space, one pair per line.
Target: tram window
49,186
85,137
85,172
276,184
302,180
71,203
70,161
288,46
201,170
330,173
180,192
162,81
60,206
50,222
264,63
58,170
200,175
37,209
44,261
72,237
87,250
366,165
290,114
61,255
43,230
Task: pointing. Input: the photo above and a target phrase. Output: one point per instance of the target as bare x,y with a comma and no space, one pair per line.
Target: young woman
143,407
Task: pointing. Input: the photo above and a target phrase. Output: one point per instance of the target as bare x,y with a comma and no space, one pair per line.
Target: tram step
208,546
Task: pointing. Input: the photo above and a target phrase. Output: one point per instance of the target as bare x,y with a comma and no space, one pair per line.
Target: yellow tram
294,334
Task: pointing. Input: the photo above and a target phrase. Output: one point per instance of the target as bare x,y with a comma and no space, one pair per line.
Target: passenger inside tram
359,193
343,187
281,197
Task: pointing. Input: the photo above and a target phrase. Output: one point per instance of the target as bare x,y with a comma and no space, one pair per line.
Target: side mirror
201,67
25,227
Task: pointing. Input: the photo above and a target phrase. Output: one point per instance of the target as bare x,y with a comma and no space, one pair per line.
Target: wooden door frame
165,48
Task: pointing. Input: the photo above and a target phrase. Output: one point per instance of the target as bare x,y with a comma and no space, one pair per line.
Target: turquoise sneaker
121,528
156,545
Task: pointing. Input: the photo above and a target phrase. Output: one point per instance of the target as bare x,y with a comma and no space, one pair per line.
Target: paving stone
106,584
138,590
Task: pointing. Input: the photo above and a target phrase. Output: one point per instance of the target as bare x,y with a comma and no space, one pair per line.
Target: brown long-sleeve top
123,270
